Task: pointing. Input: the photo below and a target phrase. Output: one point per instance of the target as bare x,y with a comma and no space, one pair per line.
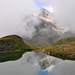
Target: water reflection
29,65
64,68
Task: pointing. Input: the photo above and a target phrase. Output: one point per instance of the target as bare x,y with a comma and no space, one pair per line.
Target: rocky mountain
46,30
45,15
48,61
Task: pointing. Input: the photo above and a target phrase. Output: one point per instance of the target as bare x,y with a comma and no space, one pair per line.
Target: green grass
15,41
17,44
10,56
65,40
57,49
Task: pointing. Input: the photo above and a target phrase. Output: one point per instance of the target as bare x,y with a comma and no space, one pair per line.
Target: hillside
64,48
12,47
13,42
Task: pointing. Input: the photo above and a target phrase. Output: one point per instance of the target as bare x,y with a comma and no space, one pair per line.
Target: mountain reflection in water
32,63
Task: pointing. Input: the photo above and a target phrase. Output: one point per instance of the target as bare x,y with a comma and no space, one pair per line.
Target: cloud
23,66
12,13
46,2
64,68
64,12
27,65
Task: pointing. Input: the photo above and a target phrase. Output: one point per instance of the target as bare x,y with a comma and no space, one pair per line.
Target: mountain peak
46,15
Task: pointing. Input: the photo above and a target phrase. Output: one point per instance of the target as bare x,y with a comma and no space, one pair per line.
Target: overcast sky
64,12
12,13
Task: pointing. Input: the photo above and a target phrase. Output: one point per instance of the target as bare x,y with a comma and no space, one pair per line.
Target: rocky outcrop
5,45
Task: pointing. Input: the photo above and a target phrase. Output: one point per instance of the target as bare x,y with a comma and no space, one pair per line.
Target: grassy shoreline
12,48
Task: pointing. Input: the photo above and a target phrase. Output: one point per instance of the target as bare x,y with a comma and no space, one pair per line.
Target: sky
42,72
39,4
64,12
12,16
13,12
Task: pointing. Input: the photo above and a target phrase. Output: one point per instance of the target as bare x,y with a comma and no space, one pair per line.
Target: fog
12,14
64,12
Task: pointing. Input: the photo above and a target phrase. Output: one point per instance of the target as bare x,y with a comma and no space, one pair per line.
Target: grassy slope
16,41
57,49
54,50
17,44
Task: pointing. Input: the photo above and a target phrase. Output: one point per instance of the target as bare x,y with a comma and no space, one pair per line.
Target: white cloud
64,12
12,13
64,68
49,8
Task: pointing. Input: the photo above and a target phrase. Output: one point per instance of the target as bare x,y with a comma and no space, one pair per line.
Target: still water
37,64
